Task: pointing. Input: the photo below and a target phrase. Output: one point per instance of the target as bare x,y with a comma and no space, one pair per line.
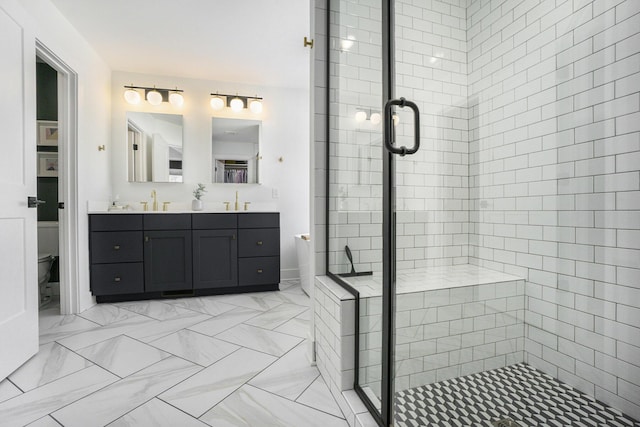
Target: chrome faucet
155,200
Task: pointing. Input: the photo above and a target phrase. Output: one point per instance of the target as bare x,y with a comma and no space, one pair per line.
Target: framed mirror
235,148
154,147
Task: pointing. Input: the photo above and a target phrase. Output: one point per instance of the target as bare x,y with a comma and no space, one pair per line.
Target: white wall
94,109
285,133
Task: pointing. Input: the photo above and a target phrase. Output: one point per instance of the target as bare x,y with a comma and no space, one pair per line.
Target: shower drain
506,422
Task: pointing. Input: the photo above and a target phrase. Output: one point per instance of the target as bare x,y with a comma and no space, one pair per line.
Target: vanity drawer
259,271
116,246
162,221
114,279
258,242
259,220
213,221
115,222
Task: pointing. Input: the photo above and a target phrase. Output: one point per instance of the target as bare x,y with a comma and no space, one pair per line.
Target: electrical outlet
275,193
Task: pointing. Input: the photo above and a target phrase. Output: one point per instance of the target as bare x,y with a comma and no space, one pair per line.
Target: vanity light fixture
217,103
236,102
255,106
154,96
132,96
363,115
176,99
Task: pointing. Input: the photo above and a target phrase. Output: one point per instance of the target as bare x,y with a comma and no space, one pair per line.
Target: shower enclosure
483,204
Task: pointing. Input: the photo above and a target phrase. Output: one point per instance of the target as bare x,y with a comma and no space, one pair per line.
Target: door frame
67,179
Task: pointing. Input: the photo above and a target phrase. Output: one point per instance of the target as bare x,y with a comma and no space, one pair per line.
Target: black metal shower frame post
388,219
384,418
356,374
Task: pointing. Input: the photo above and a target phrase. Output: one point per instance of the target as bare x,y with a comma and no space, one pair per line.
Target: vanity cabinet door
167,260
215,258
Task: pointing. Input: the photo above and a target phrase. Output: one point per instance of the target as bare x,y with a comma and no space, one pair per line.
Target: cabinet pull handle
116,279
146,238
259,243
259,271
233,237
116,247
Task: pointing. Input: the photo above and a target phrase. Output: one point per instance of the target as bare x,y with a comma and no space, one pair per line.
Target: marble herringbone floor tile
319,397
158,329
53,328
105,314
39,402
276,316
52,362
96,335
259,339
211,385
156,413
177,360
8,390
110,403
250,406
288,297
289,376
257,301
206,305
195,347
158,310
296,326
224,321
123,355
44,422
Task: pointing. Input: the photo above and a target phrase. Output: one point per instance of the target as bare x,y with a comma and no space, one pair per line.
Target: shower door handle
388,125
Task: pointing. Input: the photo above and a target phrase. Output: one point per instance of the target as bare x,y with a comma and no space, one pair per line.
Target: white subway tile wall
529,165
567,104
445,333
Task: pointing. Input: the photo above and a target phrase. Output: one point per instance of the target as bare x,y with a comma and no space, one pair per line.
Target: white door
18,244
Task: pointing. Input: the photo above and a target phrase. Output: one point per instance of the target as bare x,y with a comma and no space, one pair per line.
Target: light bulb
236,105
375,118
361,116
347,43
217,103
255,106
154,97
176,99
132,96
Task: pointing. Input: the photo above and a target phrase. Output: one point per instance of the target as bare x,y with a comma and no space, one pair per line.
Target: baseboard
289,273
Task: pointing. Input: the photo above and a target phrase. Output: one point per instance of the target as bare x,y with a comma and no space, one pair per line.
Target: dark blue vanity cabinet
143,256
215,250
167,252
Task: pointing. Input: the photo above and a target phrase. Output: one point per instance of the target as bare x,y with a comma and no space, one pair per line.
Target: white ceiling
246,41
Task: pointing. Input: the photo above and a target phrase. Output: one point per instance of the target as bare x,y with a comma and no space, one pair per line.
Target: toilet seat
44,257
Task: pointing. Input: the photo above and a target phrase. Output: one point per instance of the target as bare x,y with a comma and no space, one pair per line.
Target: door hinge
60,205
308,42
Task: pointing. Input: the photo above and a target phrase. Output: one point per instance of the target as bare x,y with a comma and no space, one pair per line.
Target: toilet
45,261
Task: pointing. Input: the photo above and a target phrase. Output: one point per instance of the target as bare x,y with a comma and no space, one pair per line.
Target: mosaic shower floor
519,392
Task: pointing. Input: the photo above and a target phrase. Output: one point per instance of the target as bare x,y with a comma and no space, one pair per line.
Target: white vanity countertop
177,211
180,208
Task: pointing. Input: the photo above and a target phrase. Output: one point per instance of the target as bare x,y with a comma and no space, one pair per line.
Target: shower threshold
520,393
